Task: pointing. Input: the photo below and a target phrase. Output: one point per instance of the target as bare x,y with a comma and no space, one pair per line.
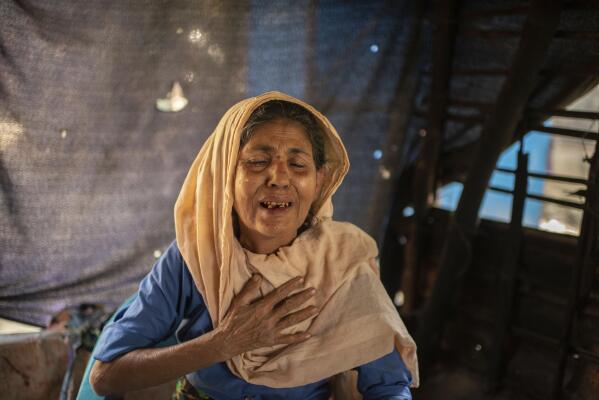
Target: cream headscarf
357,322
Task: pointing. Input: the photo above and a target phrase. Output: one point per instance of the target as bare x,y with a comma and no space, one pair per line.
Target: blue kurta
168,304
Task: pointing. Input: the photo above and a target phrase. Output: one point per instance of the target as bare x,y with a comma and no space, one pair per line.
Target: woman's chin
280,233
274,222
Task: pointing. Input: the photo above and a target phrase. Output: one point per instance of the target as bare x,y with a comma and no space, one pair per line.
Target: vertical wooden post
403,98
425,171
588,254
508,274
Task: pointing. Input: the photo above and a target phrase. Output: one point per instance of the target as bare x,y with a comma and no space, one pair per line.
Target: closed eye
257,163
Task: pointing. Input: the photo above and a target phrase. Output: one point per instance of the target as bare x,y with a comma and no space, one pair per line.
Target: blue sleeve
155,312
386,378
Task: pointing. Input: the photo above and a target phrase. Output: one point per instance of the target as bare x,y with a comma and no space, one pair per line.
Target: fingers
248,292
297,317
284,290
293,302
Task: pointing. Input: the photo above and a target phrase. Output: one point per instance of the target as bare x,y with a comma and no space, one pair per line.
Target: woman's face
276,183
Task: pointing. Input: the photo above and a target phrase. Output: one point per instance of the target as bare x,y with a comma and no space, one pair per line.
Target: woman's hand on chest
249,325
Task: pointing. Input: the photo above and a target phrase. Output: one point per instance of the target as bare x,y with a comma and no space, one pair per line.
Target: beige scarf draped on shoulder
357,322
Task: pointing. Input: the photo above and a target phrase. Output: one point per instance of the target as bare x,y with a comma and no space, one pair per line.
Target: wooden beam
515,10
389,199
582,273
565,132
479,105
578,35
403,100
588,70
469,119
498,131
509,272
536,112
587,355
481,71
564,203
557,178
425,172
493,34
533,336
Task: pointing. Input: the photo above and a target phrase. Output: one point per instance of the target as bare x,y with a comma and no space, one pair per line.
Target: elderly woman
267,295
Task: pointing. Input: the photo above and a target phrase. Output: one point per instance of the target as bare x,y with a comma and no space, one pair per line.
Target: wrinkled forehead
276,128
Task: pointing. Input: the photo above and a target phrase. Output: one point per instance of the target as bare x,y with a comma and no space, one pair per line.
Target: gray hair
281,109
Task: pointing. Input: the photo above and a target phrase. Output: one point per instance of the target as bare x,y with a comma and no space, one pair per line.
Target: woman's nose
279,174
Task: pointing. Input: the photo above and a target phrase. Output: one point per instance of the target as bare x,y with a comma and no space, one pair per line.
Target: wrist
217,342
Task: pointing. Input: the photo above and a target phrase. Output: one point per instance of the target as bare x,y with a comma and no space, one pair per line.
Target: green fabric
186,391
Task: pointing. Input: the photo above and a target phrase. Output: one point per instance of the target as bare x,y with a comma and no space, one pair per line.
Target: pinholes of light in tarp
197,37
399,298
201,40
374,48
384,172
216,53
174,101
189,76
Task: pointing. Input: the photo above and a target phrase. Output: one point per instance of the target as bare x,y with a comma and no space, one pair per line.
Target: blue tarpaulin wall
90,169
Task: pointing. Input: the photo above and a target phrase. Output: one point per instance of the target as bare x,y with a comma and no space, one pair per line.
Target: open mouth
275,204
